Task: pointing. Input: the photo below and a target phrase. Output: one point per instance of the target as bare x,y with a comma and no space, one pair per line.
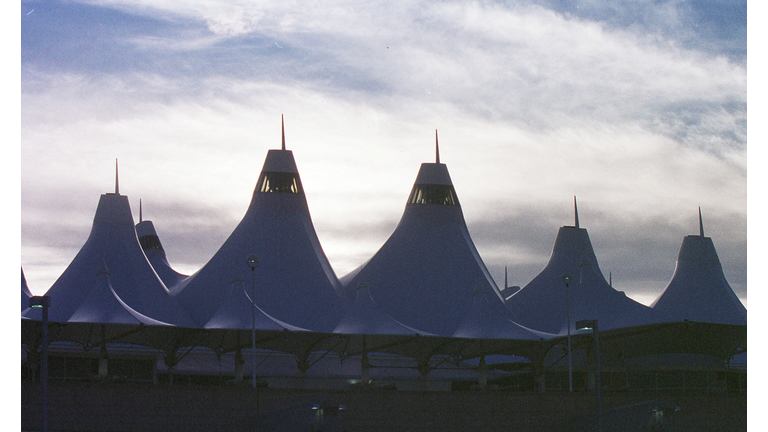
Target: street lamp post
43,302
592,325
567,281
253,262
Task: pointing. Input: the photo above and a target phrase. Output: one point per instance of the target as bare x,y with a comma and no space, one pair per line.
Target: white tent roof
294,282
113,242
542,303
698,290
425,275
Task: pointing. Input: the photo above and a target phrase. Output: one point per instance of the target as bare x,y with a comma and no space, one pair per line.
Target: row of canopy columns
302,364
427,353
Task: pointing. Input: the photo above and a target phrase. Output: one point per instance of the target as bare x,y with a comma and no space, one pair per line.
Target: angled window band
280,182
433,194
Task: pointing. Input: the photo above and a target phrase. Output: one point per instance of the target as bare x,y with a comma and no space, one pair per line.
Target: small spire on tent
575,212
117,183
610,280
506,285
437,149
140,216
282,122
701,224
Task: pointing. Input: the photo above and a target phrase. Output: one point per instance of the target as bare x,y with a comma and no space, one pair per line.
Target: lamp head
567,279
252,261
40,301
588,324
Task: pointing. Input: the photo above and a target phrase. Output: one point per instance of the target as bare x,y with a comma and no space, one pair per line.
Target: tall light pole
567,281
43,302
253,262
592,325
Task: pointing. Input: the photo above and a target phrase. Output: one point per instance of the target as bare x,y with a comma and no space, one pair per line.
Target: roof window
433,194
279,182
150,241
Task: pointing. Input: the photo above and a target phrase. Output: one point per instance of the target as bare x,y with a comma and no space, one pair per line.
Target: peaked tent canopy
425,275
698,290
543,304
153,249
113,242
294,282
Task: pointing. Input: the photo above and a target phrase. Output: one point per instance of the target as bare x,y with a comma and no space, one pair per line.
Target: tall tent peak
294,283
428,272
698,290
282,127
701,224
437,149
575,213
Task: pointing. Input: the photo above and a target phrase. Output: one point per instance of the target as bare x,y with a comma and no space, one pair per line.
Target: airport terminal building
422,316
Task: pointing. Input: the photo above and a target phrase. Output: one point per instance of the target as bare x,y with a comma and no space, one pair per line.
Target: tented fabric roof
425,275
294,282
113,242
542,303
698,290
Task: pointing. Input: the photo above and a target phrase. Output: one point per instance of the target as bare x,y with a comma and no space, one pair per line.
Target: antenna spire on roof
282,122
437,149
117,183
701,224
575,212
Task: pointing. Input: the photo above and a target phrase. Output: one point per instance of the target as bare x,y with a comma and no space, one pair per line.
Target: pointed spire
117,183
701,224
437,149
140,215
282,122
575,212
506,285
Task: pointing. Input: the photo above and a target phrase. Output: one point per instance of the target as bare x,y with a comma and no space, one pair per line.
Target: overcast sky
638,108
